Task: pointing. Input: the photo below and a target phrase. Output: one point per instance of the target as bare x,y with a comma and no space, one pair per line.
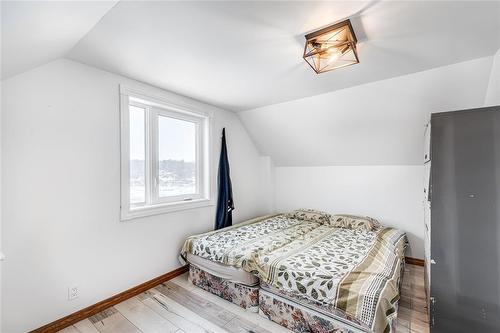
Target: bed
219,260
307,274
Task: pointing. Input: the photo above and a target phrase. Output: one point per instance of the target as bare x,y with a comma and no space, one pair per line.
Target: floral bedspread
353,271
236,245
356,272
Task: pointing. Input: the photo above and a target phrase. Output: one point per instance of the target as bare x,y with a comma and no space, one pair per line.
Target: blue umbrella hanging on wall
225,204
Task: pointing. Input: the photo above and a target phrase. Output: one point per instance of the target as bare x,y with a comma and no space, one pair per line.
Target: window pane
137,155
176,157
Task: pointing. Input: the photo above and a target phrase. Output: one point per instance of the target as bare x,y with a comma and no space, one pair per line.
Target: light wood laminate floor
178,306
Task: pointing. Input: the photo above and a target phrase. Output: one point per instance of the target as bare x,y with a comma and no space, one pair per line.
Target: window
165,156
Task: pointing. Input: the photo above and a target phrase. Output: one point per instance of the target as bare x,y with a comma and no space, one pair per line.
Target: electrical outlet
73,293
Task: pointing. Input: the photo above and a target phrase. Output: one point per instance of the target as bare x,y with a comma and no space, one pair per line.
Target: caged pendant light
331,47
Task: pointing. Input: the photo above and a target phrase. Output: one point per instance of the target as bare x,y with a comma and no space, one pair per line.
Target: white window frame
157,105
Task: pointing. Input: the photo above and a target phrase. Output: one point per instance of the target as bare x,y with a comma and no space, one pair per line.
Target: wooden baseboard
414,261
113,300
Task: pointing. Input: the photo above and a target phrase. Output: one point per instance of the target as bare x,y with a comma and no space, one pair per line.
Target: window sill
134,213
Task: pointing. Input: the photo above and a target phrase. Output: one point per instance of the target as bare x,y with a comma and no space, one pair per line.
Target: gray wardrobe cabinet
462,199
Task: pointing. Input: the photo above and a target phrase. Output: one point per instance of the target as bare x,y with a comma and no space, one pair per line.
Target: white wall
493,92
360,150
61,195
391,194
1,247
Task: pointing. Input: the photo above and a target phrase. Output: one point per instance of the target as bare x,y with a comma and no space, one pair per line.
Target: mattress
229,273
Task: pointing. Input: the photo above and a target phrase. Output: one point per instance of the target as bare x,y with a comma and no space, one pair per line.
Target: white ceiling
36,32
242,55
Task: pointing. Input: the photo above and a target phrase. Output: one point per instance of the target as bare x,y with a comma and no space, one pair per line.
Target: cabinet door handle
431,312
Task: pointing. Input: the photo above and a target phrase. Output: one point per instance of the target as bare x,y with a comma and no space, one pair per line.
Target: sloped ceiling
242,55
379,123
36,32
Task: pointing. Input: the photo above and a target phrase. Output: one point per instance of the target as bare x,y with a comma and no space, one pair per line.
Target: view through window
167,154
177,157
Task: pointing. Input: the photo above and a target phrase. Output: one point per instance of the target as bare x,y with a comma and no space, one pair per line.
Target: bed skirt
302,318
242,295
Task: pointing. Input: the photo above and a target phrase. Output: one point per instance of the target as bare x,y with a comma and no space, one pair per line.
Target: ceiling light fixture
331,47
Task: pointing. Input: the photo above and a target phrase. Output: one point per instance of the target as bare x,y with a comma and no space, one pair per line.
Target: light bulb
334,55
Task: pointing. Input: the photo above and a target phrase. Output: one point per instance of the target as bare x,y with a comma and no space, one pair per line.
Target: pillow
309,215
354,222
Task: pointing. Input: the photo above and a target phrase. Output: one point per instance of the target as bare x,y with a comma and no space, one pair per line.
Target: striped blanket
356,272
